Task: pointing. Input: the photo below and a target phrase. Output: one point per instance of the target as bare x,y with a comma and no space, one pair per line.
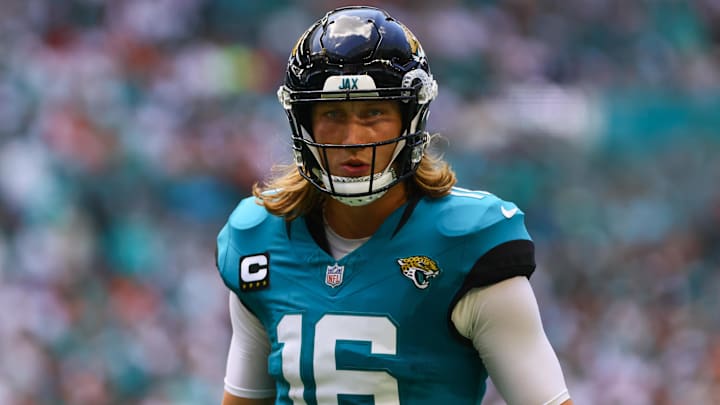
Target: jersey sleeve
506,260
222,249
247,363
240,235
497,246
495,242
246,373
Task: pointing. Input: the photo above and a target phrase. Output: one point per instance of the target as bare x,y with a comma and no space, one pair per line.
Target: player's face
356,122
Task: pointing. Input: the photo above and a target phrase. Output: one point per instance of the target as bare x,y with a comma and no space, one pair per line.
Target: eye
374,112
332,113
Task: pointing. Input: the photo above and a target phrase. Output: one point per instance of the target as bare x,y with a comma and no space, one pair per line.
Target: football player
362,275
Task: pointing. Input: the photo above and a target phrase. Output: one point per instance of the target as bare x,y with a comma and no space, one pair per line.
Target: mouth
354,168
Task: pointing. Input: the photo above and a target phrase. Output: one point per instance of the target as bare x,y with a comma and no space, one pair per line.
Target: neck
360,222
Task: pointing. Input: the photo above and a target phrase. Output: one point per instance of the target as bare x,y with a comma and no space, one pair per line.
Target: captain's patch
254,272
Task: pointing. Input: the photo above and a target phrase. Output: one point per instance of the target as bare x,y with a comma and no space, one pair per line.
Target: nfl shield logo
334,275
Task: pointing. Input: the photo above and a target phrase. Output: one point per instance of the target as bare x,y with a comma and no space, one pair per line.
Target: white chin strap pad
358,185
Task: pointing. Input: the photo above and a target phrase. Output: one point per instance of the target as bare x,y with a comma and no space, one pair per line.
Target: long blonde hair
289,195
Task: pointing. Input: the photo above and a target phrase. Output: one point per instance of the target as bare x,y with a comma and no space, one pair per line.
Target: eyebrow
377,104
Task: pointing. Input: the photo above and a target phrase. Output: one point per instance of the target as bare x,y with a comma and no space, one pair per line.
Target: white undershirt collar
339,246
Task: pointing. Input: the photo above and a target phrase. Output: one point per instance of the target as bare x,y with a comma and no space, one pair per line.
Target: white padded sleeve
503,322
246,374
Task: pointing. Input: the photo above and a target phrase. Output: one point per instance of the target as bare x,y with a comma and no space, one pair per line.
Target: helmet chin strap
358,185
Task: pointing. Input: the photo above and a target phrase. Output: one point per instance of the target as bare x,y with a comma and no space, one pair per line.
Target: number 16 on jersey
379,331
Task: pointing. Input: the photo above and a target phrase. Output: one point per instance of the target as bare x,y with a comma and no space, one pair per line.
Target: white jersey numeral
331,381
289,332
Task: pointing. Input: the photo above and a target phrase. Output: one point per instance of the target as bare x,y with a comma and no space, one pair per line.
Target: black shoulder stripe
507,260
510,259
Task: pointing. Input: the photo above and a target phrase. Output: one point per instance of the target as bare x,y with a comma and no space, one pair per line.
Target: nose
355,132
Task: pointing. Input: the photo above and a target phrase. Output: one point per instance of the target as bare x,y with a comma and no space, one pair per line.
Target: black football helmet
358,53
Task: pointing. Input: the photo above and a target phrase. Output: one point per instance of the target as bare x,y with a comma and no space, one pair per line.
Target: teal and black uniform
374,326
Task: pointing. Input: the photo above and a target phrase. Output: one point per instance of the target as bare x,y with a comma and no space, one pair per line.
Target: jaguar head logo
419,269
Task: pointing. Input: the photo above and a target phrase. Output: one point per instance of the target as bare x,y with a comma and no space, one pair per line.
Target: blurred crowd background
130,129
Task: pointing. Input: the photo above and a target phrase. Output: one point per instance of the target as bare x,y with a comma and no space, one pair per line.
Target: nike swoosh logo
508,213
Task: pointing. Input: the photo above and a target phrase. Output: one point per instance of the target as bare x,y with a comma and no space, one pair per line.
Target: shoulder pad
247,214
243,234
465,212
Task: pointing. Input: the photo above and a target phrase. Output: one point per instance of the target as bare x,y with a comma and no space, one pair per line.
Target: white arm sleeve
246,374
503,322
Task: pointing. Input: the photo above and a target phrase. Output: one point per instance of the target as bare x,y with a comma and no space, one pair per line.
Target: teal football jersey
372,327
